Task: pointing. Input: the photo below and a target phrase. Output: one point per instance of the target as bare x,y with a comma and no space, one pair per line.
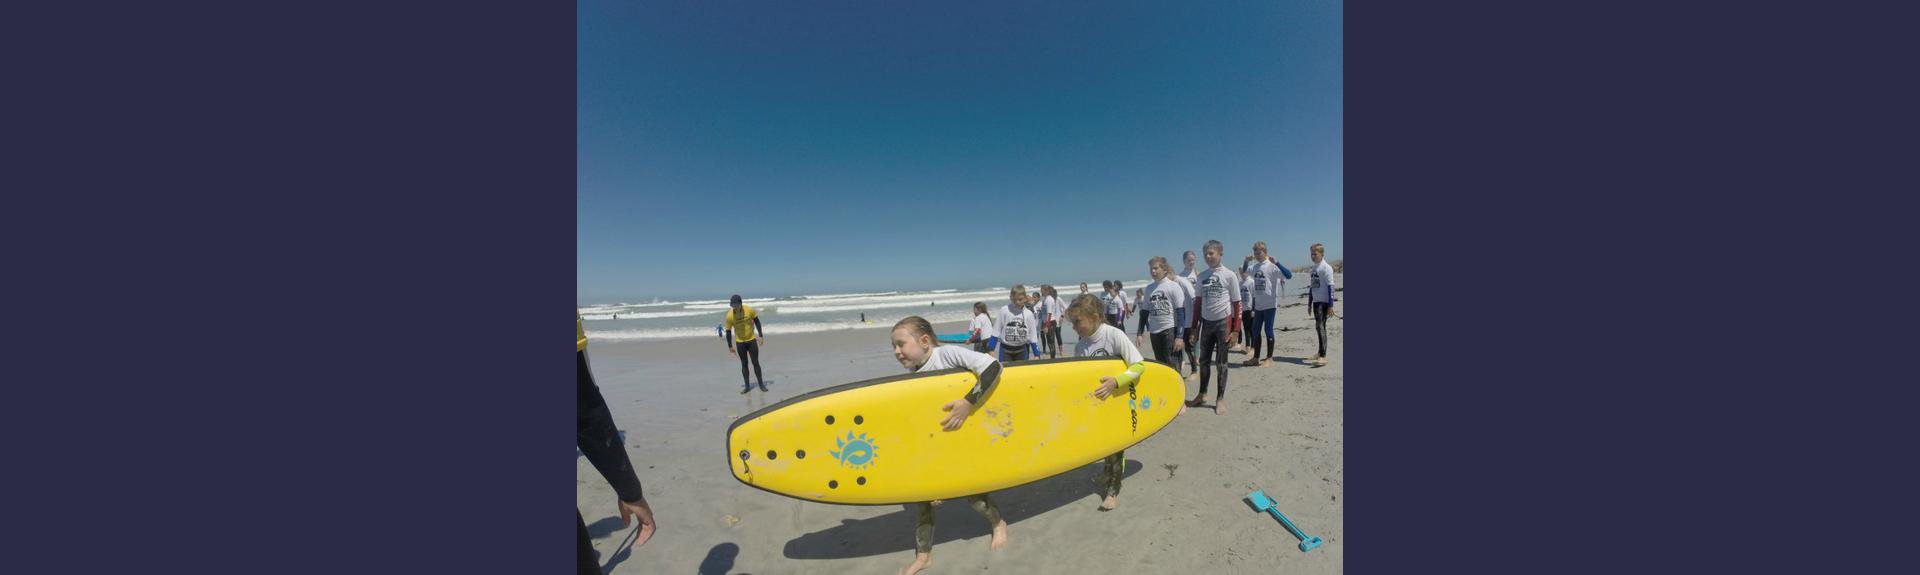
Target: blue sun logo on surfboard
856,451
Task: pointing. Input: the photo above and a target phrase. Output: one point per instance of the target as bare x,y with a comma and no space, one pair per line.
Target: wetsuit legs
1163,347
1320,313
1213,352
923,525
750,353
1116,466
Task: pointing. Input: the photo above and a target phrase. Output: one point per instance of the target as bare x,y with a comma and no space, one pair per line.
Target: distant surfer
913,347
743,324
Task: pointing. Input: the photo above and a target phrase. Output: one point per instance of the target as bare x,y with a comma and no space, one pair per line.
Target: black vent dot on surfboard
744,455
860,480
833,485
829,420
800,454
772,455
857,420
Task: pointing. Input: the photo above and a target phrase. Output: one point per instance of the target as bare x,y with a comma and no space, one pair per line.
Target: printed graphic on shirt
1016,331
1214,289
1159,305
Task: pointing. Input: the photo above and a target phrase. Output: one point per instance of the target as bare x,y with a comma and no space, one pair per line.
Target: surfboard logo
856,450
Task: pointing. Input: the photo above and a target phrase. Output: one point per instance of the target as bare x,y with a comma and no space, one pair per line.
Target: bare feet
1198,401
1110,503
999,535
920,561
1218,410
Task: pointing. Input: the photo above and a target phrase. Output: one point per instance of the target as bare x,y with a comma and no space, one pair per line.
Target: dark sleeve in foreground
600,440
988,378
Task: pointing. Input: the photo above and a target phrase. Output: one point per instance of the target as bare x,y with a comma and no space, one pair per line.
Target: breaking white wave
773,329
836,297
647,315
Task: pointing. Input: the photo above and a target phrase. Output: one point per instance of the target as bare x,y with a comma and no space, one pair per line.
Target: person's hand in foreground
631,510
1107,385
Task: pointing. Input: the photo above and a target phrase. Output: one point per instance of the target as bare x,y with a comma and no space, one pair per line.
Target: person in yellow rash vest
1100,339
743,328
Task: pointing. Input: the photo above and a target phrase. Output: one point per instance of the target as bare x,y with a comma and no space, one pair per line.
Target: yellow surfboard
880,442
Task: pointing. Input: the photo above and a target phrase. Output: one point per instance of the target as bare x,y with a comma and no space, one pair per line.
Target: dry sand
1182,506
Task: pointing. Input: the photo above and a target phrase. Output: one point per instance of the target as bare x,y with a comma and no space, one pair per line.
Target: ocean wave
787,310
648,315
846,295
772,329
758,302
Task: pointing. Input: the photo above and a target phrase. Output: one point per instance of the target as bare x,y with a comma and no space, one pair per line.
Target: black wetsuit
599,439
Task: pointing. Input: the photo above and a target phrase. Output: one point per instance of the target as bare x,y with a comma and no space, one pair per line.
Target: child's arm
1194,316
1136,365
957,410
1233,320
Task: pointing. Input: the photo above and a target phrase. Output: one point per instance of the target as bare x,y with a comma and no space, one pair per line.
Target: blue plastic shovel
1262,503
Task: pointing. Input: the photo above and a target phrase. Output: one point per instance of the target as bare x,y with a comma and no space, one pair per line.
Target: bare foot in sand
920,561
1219,410
999,535
1198,401
1110,503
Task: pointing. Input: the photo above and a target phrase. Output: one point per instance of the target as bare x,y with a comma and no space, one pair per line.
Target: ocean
802,313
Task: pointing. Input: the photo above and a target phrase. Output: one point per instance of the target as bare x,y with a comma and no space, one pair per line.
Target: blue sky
772,148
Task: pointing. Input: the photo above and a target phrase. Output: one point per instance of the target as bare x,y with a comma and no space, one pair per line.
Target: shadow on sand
893,532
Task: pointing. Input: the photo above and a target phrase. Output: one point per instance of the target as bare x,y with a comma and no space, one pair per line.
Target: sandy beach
1182,506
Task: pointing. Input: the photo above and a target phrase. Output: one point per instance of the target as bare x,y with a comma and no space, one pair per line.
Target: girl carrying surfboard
914,348
1099,339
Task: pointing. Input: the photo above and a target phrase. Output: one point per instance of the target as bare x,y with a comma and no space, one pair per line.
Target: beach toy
1262,503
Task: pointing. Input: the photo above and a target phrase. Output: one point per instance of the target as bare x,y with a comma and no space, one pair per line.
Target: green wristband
1131,376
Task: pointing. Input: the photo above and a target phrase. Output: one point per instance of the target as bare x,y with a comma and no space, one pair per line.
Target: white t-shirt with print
984,324
1015,326
1109,341
1218,288
1163,297
950,356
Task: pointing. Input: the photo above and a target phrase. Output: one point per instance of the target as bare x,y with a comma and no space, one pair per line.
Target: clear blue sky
770,148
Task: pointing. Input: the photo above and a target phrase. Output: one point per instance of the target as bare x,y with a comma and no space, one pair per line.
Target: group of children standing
1176,309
